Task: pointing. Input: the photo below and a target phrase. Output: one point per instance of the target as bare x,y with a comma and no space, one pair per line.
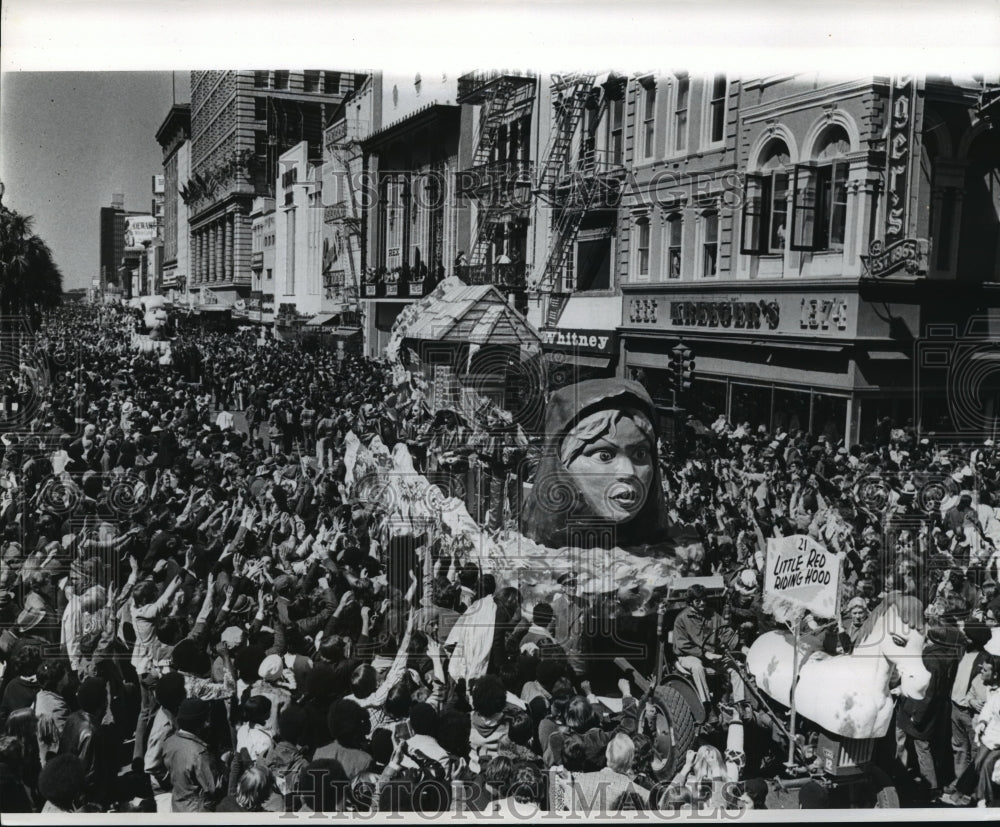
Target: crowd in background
196,615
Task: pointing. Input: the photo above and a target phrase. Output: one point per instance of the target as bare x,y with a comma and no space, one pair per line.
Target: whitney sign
599,342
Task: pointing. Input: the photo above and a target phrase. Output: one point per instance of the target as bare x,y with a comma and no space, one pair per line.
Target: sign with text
803,572
596,342
909,254
786,314
898,151
138,230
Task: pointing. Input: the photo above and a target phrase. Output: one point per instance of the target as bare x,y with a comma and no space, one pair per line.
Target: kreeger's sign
803,572
598,342
726,313
788,314
898,153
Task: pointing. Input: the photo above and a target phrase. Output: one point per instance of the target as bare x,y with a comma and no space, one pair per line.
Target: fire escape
574,186
493,183
343,145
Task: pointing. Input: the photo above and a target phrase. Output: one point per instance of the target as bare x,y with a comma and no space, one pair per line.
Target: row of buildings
829,249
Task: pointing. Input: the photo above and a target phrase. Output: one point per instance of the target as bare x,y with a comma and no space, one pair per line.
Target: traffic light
682,363
672,373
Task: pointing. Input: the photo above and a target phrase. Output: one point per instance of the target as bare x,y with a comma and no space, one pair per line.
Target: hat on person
857,602
746,581
242,604
232,637
192,714
271,668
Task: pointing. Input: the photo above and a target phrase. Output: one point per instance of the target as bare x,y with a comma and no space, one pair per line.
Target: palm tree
30,281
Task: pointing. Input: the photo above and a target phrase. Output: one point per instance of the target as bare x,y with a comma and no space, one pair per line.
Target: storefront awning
321,319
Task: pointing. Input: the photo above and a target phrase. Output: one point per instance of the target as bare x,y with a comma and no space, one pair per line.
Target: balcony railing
472,84
501,177
380,283
505,276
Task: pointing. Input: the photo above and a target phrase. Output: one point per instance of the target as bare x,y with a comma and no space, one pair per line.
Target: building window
648,119
260,142
717,110
416,84
617,144
260,78
819,202
683,87
310,80
709,244
642,249
280,79
673,235
331,82
260,109
765,203
270,273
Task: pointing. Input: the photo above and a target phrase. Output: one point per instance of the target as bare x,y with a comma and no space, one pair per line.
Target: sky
74,129
71,140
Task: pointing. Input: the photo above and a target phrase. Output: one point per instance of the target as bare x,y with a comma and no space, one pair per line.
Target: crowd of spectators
196,615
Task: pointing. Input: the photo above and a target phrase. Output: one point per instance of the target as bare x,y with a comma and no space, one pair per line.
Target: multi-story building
260,307
575,298
342,175
800,236
498,181
174,137
242,122
112,244
298,250
413,223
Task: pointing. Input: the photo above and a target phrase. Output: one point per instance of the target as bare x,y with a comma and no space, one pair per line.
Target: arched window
819,211
765,204
642,248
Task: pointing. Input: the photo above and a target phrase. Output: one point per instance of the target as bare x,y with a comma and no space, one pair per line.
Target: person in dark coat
923,723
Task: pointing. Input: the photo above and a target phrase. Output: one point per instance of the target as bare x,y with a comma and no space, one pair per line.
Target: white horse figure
848,694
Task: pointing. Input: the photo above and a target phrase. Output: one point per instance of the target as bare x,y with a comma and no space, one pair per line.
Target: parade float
840,705
592,529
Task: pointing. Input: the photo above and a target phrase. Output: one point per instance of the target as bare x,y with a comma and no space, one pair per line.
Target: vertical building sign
899,148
